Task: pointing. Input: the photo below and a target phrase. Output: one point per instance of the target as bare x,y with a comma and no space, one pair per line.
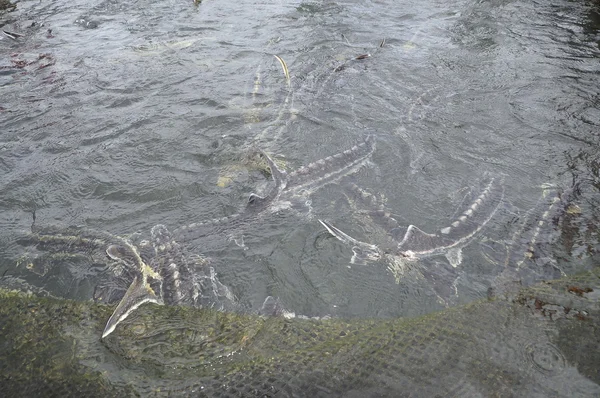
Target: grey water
122,115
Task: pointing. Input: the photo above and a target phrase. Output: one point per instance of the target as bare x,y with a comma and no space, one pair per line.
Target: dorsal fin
254,199
454,256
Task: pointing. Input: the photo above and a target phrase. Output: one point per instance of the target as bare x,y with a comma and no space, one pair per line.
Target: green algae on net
544,342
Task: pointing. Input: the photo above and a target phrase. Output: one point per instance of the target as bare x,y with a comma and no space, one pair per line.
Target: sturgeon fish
170,278
524,260
68,242
412,243
158,271
299,184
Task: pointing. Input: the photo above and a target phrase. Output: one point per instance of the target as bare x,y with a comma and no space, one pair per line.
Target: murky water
123,115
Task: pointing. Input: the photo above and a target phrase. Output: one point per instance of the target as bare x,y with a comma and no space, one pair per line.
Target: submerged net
532,341
542,343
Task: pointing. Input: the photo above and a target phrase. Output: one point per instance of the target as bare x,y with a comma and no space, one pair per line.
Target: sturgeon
298,185
170,278
169,271
413,244
158,270
523,259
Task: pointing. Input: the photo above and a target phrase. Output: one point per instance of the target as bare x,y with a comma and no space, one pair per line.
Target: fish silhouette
170,277
298,185
412,243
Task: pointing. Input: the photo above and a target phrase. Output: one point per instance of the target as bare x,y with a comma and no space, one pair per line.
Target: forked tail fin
138,293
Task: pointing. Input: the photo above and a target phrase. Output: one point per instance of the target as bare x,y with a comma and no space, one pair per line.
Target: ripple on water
545,358
117,128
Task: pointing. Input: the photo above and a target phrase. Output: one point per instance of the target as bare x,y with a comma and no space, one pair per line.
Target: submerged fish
542,344
158,271
524,259
412,244
298,185
60,243
169,278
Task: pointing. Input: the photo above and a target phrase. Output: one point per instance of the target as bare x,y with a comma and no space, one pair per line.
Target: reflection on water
148,114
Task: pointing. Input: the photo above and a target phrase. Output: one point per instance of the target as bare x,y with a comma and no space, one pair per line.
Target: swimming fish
169,278
157,270
524,259
298,185
412,243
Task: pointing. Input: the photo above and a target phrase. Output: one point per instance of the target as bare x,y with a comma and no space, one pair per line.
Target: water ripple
133,122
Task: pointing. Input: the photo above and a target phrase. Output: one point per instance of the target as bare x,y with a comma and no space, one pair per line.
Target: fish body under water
158,270
295,186
524,259
537,341
412,243
540,343
169,278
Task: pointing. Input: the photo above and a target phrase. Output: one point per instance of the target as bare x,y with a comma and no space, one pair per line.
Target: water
146,119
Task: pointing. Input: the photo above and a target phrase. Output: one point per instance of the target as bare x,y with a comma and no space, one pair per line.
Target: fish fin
125,256
340,235
398,233
139,292
272,307
220,289
254,199
362,255
362,251
238,240
12,35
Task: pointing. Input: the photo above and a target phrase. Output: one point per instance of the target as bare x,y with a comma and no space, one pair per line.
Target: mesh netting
544,343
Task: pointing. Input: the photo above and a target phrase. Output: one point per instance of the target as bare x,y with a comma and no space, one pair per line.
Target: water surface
147,117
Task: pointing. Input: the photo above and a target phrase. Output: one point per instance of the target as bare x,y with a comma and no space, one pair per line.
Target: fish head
257,203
